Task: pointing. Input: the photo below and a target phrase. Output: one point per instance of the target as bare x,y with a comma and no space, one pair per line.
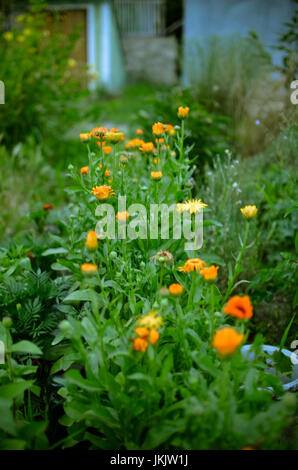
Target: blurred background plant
42,81
288,45
236,78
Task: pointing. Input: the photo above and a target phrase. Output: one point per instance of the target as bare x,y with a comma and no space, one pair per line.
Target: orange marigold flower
239,307
154,336
226,341
91,240
158,128
99,132
176,289
100,143
140,344
84,170
122,216
139,131
156,175
183,112
142,332
85,137
88,268
107,173
147,147
247,448
102,192
107,149
134,143
47,207
193,264
210,273
161,140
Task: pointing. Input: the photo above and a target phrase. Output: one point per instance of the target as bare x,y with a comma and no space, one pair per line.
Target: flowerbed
145,347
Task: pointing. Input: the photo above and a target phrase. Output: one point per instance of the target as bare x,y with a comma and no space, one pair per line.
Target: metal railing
140,17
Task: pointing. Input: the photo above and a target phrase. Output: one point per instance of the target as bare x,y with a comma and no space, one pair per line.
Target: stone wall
152,59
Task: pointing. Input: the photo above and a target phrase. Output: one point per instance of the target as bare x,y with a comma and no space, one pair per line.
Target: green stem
10,367
192,289
161,275
238,262
212,313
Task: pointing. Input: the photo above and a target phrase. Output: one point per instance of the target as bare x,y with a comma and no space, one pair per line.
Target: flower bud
113,255
6,322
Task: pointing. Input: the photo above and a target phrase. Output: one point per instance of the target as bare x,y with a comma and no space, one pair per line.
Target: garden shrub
40,83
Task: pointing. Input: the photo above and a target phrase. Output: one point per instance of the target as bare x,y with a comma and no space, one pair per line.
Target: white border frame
90,26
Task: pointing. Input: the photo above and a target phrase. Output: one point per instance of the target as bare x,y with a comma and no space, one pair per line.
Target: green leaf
54,251
285,335
12,390
6,418
86,295
141,377
25,346
12,444
207,365
74,377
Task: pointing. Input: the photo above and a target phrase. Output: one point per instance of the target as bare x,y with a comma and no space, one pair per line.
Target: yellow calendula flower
114,137
156,175
122,216
193,264
85,137
89,268
71,62
158,128
227,340
103,192
8,36
249,211
192,205
91,240
20,18
183,112
150,321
